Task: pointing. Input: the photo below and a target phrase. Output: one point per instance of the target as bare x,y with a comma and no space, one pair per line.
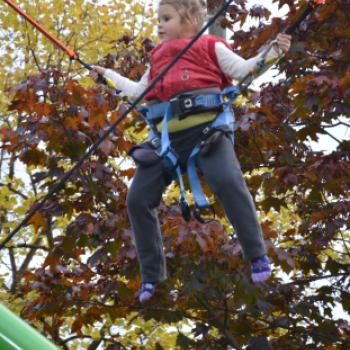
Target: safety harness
178,106
183,105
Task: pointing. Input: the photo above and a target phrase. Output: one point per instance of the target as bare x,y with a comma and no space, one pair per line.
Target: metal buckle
206,130
188,103
156,142
182,104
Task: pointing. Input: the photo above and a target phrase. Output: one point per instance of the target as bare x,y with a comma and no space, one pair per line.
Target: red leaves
287,263
260,12
193,287
126,252
41,85
260,343
107,147
148,45
98,257
33,157
22,87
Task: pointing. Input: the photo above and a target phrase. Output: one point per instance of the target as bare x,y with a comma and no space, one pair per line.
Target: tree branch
293,329
3,285
14,191
334,36
96,343
329,134
14,272
33,185
7,115
58,339
316,278
31,50
29,256
342,7
328,58
218,322
178,313
36,60
258,148
346,247
268,165
48,232
31,246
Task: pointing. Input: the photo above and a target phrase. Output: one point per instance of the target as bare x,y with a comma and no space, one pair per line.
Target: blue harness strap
170,158
226,118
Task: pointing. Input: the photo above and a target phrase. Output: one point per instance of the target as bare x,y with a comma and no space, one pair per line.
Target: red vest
197,68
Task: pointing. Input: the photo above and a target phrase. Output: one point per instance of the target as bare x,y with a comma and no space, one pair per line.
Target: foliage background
73,272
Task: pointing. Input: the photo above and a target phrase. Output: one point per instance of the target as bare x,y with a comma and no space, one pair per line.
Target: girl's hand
283,43
96,70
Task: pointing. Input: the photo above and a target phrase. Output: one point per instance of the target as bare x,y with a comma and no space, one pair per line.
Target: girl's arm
236,67
131,88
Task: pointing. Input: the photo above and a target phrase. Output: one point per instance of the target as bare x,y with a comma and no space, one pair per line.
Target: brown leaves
97,117
38,221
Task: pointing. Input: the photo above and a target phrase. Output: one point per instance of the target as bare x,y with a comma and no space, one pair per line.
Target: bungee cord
310,7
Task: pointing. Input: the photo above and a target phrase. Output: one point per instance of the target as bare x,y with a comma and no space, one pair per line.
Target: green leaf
184,342
68,244
272,202
286,158
112,248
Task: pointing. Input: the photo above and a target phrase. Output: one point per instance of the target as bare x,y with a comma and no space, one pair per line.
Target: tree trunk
215,28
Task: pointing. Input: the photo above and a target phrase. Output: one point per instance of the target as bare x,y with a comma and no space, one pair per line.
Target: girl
207,67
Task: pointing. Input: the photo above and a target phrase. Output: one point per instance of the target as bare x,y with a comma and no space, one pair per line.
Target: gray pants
223,175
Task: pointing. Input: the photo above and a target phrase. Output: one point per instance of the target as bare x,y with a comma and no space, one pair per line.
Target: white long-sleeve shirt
232,65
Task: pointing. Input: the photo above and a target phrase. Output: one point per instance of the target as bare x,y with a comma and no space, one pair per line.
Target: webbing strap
197,191
225,118
158,110
205,100
209,100
167,151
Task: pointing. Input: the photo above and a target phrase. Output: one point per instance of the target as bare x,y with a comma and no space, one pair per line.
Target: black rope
112,127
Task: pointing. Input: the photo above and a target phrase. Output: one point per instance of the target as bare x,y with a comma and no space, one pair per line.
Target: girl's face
170,26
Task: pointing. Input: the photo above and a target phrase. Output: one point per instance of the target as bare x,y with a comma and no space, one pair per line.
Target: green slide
16,334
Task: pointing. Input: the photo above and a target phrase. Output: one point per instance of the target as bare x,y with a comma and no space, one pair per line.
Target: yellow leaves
95,335
5,191
331,253
3,101
85,81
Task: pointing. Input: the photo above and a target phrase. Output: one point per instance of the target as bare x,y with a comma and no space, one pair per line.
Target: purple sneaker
261,269
147,290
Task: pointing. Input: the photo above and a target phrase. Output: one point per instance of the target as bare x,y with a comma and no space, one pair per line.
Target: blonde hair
189,8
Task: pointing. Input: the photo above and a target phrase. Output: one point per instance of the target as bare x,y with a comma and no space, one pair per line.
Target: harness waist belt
184,103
